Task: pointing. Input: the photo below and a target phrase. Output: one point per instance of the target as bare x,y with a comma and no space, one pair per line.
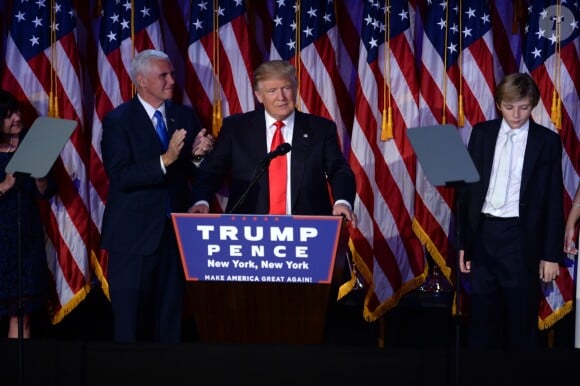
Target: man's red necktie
277,174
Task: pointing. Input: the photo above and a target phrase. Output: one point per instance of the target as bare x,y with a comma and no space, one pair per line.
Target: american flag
305,33
457,83
220,62
385,248
44,72
507,27
551,57
174,26
120,39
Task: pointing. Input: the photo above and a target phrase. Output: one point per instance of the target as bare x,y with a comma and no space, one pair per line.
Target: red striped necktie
278,174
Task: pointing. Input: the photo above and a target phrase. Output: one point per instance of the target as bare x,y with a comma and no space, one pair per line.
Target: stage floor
417,339
78,363
421,320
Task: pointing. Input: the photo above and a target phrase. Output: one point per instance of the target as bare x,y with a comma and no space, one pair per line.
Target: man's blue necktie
161,129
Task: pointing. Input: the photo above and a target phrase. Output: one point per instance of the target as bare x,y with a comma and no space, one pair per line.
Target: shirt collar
288,122
505,128
150,109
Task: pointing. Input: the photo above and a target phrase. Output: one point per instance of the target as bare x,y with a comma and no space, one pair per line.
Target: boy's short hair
515,87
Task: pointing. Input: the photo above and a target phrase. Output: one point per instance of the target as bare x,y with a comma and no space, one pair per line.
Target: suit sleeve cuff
344,202
162,166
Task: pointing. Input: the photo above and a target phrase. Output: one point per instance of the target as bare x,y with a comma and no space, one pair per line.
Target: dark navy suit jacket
315,159
139,193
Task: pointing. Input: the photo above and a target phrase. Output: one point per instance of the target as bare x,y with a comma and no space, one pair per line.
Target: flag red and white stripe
219,65
557,75
386,251
307,36
219,61
454,63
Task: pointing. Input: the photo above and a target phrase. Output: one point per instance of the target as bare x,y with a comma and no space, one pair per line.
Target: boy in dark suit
511,220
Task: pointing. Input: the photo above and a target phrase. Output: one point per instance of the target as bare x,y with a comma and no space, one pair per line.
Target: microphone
280,150
264,164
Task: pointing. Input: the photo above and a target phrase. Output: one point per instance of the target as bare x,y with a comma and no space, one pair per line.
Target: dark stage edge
419,349
96,363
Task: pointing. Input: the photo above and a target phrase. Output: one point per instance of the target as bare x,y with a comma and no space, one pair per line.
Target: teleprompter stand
446,162
34,157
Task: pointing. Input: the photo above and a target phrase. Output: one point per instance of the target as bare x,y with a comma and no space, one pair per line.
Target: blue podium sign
257,248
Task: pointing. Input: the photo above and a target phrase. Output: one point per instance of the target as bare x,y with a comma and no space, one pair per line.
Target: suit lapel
253,135
145,127
170,118
139,110
301,141
488,151
533,148
258,125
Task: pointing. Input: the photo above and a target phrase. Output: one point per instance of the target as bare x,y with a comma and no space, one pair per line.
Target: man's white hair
142,60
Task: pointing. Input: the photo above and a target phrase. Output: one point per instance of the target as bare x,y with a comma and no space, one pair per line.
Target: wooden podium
260,311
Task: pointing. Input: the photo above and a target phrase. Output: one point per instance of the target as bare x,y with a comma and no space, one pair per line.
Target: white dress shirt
511,206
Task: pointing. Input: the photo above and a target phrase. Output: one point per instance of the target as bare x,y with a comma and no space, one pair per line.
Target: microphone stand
19,177
264,164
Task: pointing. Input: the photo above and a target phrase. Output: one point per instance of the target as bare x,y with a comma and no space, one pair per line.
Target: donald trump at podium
312,178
